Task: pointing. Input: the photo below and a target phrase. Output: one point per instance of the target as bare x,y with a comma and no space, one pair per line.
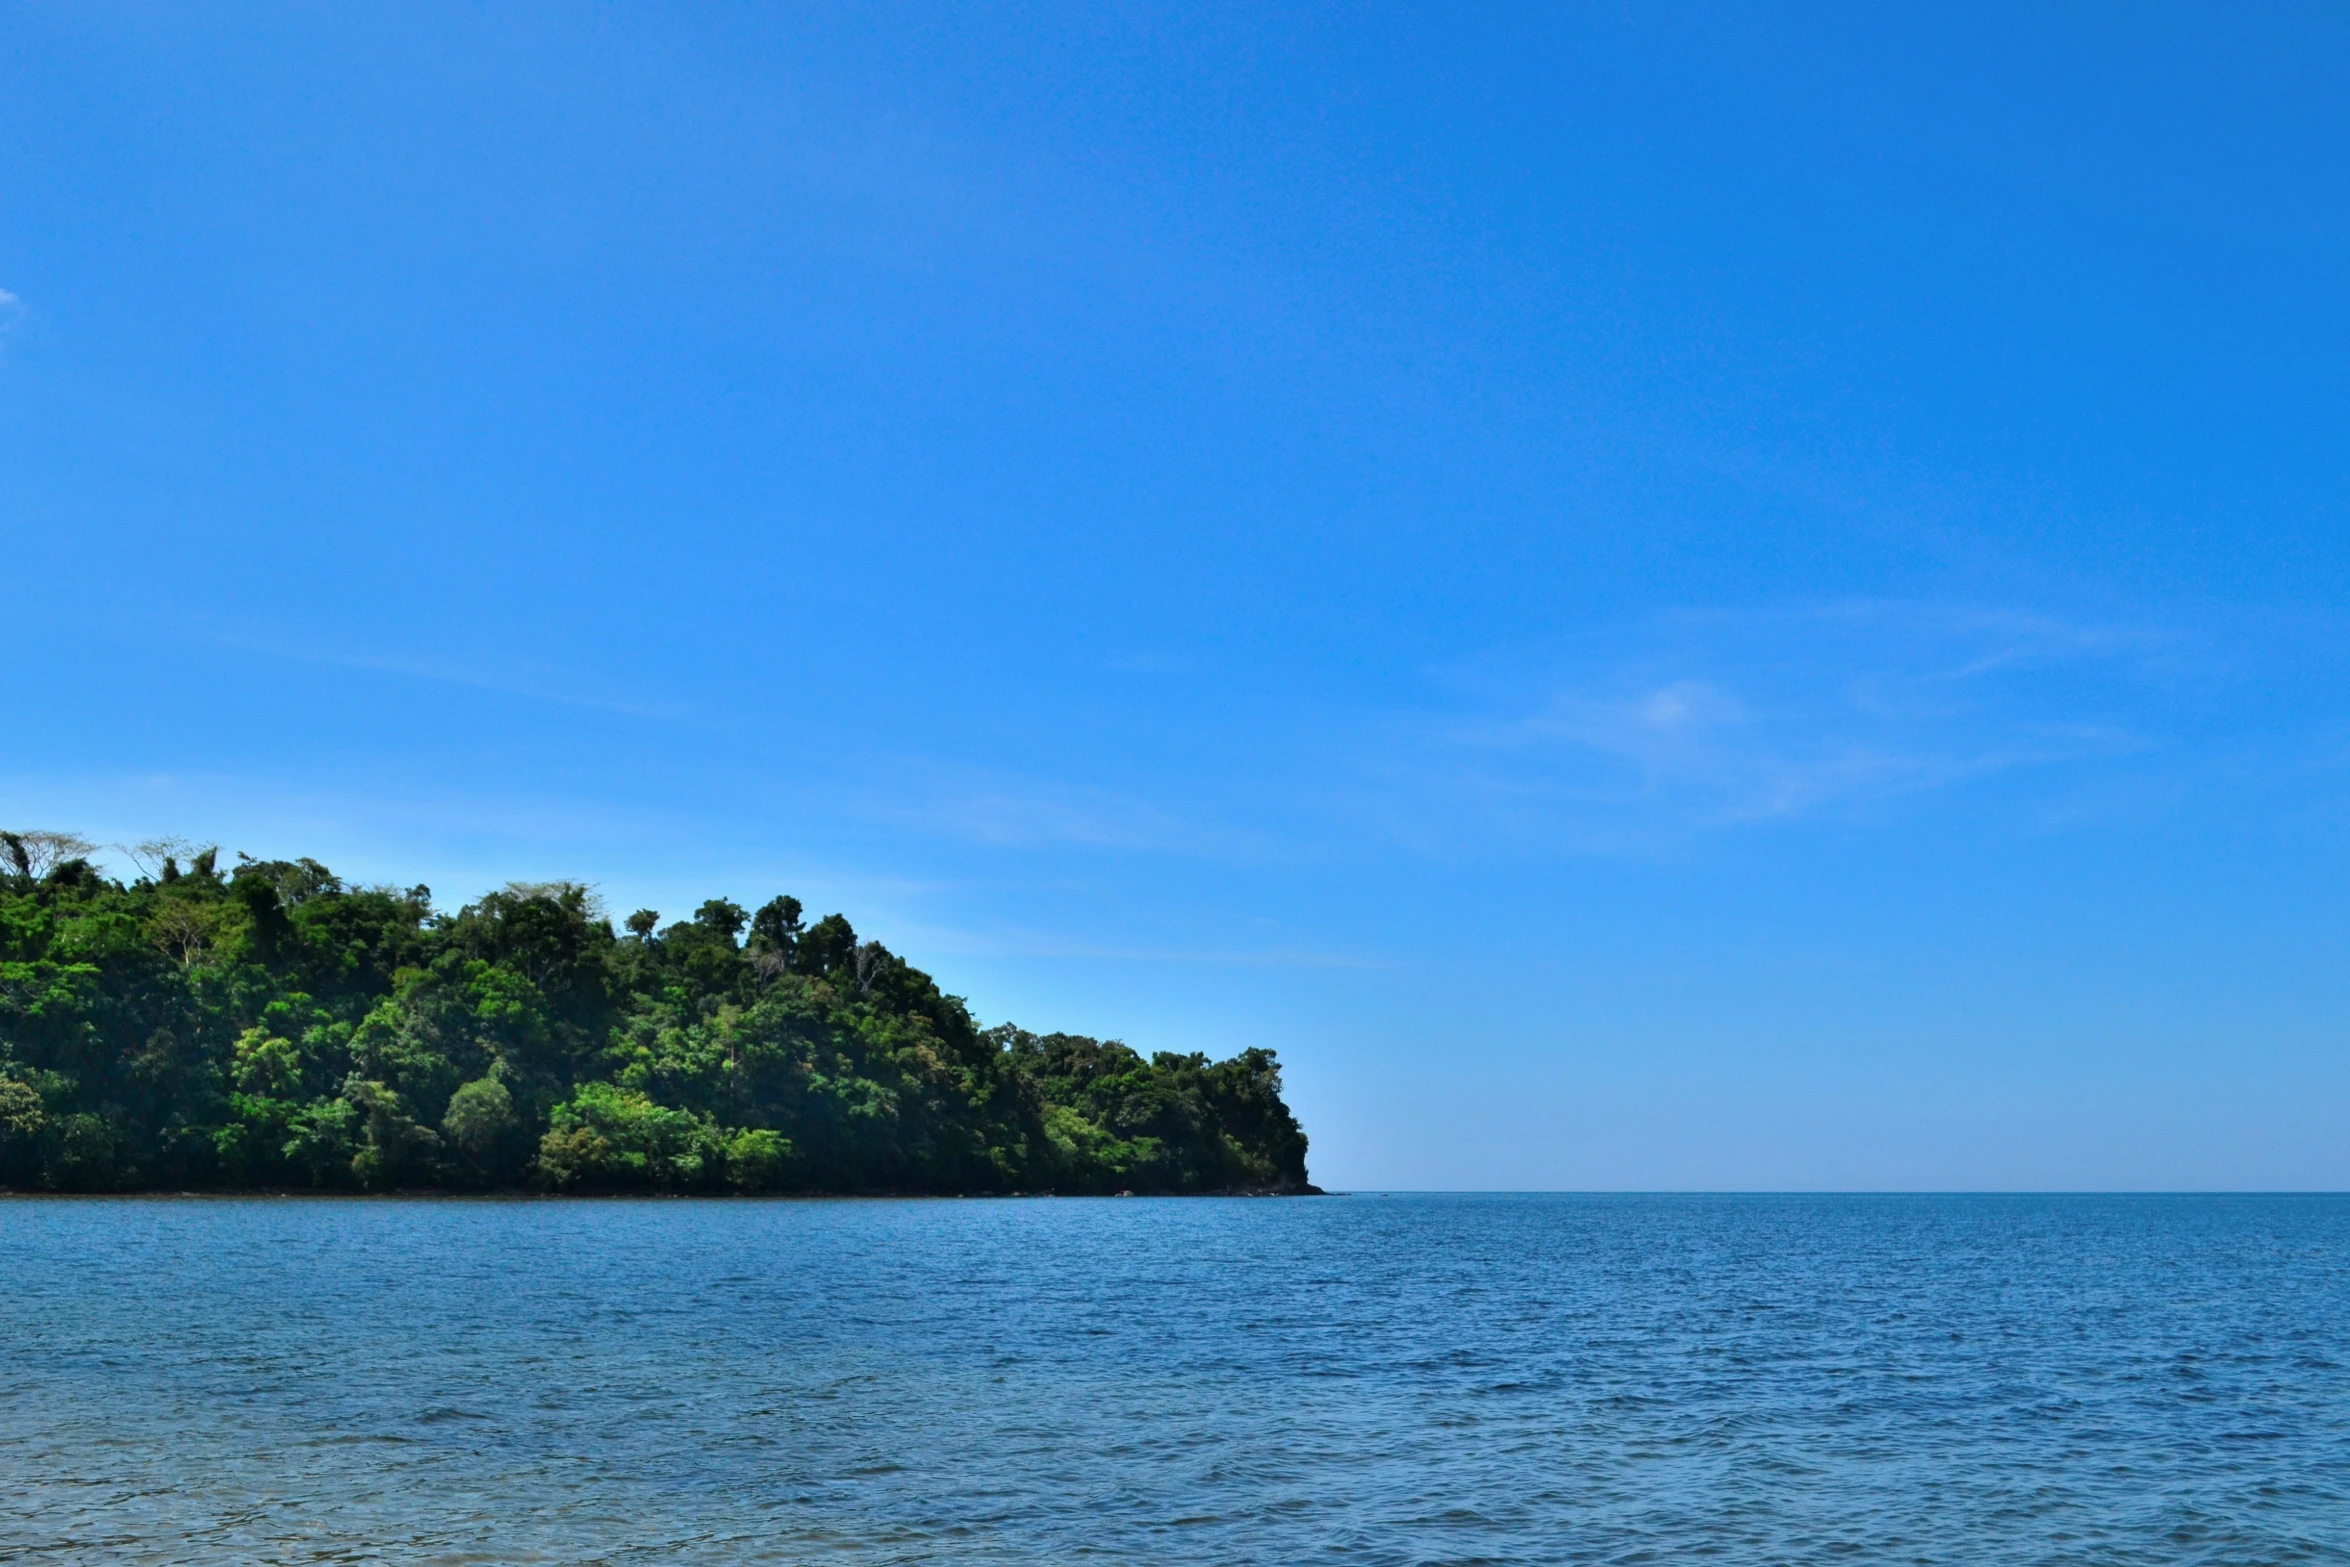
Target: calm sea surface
1361,1379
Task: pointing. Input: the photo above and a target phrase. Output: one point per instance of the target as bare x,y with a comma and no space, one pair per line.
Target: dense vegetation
269,1026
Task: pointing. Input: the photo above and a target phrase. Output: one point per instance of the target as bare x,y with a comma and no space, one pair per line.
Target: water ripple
1410,1380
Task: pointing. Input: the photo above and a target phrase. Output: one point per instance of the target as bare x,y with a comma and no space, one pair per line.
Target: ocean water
1350,1379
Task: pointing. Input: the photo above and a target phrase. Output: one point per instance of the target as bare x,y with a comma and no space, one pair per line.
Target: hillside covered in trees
269,1026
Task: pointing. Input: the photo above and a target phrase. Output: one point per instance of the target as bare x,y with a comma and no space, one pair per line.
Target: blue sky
1657,597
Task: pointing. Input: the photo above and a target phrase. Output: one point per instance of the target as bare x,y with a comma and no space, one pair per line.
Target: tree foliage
267,1025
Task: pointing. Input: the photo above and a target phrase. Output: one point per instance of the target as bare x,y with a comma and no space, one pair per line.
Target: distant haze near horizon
1732,597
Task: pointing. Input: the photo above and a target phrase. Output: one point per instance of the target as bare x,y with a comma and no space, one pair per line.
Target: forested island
267,1026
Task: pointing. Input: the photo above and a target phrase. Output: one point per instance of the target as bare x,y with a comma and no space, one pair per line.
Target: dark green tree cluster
266,1025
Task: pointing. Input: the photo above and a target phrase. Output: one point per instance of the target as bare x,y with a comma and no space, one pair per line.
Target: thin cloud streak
1641,740
468,679
1010,811
1705,721
1032,944
1634,740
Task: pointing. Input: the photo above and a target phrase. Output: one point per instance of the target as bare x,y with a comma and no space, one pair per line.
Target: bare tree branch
36,853
149,856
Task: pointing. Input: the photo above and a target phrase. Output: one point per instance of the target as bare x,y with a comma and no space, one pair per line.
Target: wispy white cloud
1029,943
1645,736
1009,810
558,687
1634,739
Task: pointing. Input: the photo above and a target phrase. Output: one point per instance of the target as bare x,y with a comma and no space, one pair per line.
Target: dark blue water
1377,1380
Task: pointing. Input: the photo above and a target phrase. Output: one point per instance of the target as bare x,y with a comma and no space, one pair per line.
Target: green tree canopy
273,1026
